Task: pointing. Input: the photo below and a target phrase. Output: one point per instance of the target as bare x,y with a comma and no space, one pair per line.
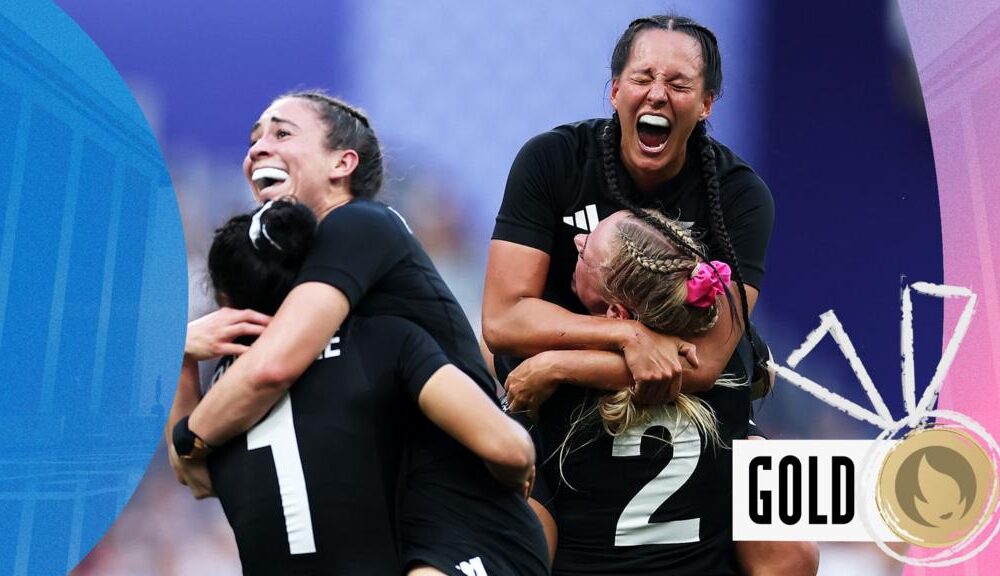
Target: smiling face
660,96
594,250
288,155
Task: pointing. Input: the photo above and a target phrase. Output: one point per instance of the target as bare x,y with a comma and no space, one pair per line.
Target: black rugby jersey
654,500
453,512
366,250
311,489
556,189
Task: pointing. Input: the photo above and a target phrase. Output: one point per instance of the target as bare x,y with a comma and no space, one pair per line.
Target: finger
253,316
242,329
671,392
231,349
645,393
690,353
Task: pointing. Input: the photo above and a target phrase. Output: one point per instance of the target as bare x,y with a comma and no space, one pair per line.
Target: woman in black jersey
636,489
654,152
324,153
253,263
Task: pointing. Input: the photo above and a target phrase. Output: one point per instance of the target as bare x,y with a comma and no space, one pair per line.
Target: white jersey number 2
634,527
278,432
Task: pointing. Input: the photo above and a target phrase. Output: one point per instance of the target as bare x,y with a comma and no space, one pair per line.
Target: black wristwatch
189,445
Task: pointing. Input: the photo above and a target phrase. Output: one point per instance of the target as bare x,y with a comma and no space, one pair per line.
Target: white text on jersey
332,349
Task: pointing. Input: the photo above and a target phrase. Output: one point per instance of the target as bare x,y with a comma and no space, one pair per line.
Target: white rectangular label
804,507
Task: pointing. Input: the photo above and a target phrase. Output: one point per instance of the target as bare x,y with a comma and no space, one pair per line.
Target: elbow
496,334
513,449
274,376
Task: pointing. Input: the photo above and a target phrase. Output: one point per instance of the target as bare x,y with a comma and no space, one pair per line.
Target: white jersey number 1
278,432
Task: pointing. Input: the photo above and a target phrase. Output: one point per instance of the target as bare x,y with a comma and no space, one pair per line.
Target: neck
647,182
332,203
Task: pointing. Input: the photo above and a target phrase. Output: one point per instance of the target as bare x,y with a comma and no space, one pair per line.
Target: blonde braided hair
647,274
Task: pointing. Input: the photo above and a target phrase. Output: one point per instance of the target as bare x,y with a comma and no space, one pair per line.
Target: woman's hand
520,480
214,334
657,363
191,473
531,384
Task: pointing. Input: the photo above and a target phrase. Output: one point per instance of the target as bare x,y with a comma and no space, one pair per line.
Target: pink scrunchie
705,286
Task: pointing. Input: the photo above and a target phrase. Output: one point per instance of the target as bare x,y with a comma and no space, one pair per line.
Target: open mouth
653,131
264,178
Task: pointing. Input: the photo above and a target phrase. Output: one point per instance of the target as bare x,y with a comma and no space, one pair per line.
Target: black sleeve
419,356
749,215
529,214
355,246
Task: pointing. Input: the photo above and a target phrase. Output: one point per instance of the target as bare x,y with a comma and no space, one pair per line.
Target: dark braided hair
717,221
611,136
347,127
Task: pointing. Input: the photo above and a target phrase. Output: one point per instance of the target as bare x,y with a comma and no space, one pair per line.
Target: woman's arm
193,474
452,401
208,337
517,321
310,315
536,379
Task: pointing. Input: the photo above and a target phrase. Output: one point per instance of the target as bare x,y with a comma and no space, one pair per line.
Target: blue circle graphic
93,291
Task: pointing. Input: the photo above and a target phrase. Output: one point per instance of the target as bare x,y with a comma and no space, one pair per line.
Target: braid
663,266
718,222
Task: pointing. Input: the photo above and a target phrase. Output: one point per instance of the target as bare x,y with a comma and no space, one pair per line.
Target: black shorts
470,526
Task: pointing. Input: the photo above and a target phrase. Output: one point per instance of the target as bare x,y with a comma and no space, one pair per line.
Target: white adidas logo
585,219
473,567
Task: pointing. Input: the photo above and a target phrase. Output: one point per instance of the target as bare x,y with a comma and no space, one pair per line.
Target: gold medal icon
936,486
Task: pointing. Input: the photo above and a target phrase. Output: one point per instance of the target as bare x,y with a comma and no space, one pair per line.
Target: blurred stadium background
823,99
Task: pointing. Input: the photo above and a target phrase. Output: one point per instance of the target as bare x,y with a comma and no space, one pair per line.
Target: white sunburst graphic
918,413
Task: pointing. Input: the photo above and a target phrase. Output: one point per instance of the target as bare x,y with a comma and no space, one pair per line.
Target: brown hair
347,127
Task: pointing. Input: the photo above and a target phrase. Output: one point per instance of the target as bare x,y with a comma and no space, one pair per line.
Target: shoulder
387,327
365,211
568,142
398,342
739,179
363,217
395,332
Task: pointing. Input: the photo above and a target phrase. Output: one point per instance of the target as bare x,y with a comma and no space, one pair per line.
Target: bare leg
548,526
